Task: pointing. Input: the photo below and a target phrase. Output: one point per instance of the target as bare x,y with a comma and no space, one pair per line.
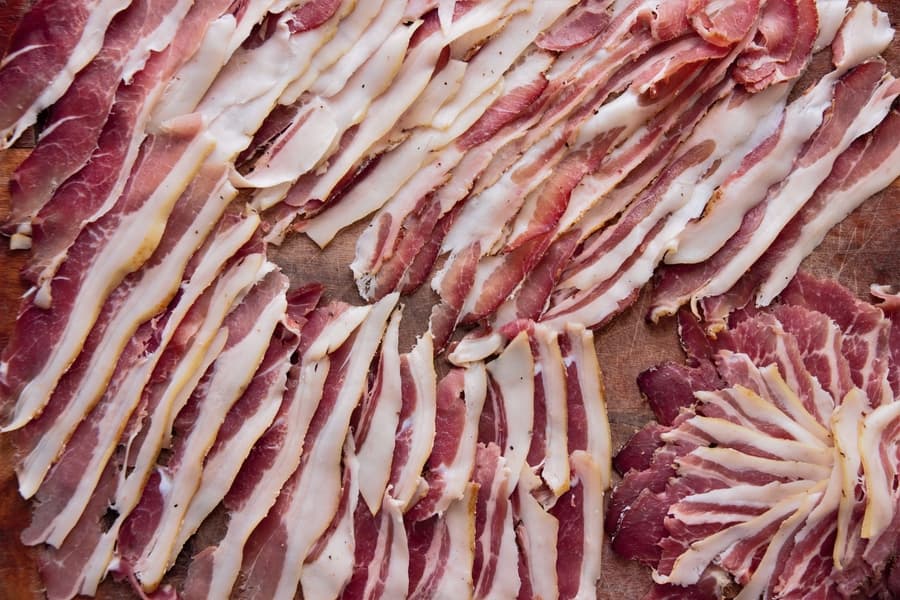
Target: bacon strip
319,470
46,341
380,410
149,536
382,555
460,398
130,305
416,427
53,42
71,134
495,570
276,455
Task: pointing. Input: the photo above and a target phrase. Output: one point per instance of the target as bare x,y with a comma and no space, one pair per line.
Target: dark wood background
863,249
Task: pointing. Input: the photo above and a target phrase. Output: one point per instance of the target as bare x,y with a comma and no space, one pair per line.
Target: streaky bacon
47,340
103,166
379,414
176,369
382,556
54,40
319,470
583,23
71,134
460,398
415,433
278,452
130,310
495,568
442,550
150,533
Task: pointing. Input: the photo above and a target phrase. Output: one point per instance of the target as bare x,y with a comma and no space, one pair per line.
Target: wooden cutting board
863,249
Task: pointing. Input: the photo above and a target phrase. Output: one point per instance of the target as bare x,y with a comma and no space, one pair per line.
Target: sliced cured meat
71,134
495,569
128,310
319,470
105,252
460,398
416,427
149,535
442,550
276,455
382,555
379,414
776,480
53,42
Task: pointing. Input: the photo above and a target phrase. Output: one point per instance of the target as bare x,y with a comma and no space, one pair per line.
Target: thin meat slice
442,551
862,170
495,569
105,252
580,515
382,555
416,427
330,564
312,494
276,455
164,388
53,42
536,533
77,118
512,401
578,27
460,398
379,414
128,308
149,536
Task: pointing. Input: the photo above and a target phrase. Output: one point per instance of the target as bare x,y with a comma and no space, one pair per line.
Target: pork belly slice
320,122
583,22
309,195
767,165
381,559
149,536
104,169
865,168
319,470
866,332
618,259
176,371
214,570
415,433
132,304
379,415
71,134
247,89
47,340
442,550
536,534
330,564
460,397
782,490
53,42
495,569
720,273
394,182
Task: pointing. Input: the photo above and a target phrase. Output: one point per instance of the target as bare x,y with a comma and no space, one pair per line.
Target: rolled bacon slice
53,42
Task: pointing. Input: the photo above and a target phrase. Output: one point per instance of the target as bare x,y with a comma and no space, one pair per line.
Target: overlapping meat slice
781,478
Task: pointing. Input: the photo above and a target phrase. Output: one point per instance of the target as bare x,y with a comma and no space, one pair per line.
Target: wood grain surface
862,250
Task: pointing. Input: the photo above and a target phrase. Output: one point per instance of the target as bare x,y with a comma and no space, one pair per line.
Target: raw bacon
757,479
